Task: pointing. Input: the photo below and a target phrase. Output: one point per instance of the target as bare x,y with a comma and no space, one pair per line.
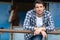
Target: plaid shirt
30,22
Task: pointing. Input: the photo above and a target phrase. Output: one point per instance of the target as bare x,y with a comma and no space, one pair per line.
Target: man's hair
39,2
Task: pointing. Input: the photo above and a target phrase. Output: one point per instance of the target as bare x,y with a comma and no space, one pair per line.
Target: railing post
45,38
11,34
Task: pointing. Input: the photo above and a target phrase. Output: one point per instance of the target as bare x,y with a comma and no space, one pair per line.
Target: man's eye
37,7
40,6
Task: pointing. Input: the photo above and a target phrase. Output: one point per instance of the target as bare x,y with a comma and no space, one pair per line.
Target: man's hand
38,30
43,33
43,28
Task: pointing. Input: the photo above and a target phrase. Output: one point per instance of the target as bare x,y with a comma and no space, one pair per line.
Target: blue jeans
36,37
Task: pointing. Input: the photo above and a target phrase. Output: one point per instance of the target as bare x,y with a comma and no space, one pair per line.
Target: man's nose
39,8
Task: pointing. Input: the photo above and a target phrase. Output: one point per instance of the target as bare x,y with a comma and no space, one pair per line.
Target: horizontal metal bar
53,32
15,31
26,31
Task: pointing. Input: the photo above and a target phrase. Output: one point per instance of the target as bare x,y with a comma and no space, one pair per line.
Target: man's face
39,8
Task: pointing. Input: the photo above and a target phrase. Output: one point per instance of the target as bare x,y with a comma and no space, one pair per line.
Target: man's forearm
41,28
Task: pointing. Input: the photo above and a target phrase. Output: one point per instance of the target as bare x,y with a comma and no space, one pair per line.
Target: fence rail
27,31
57,31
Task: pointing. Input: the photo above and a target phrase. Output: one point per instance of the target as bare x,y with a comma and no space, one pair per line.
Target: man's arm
50,26
26,24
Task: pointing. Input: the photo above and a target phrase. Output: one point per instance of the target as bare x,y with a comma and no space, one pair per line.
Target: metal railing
56,31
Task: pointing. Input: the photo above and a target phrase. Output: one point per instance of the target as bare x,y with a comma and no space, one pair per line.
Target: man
39,21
